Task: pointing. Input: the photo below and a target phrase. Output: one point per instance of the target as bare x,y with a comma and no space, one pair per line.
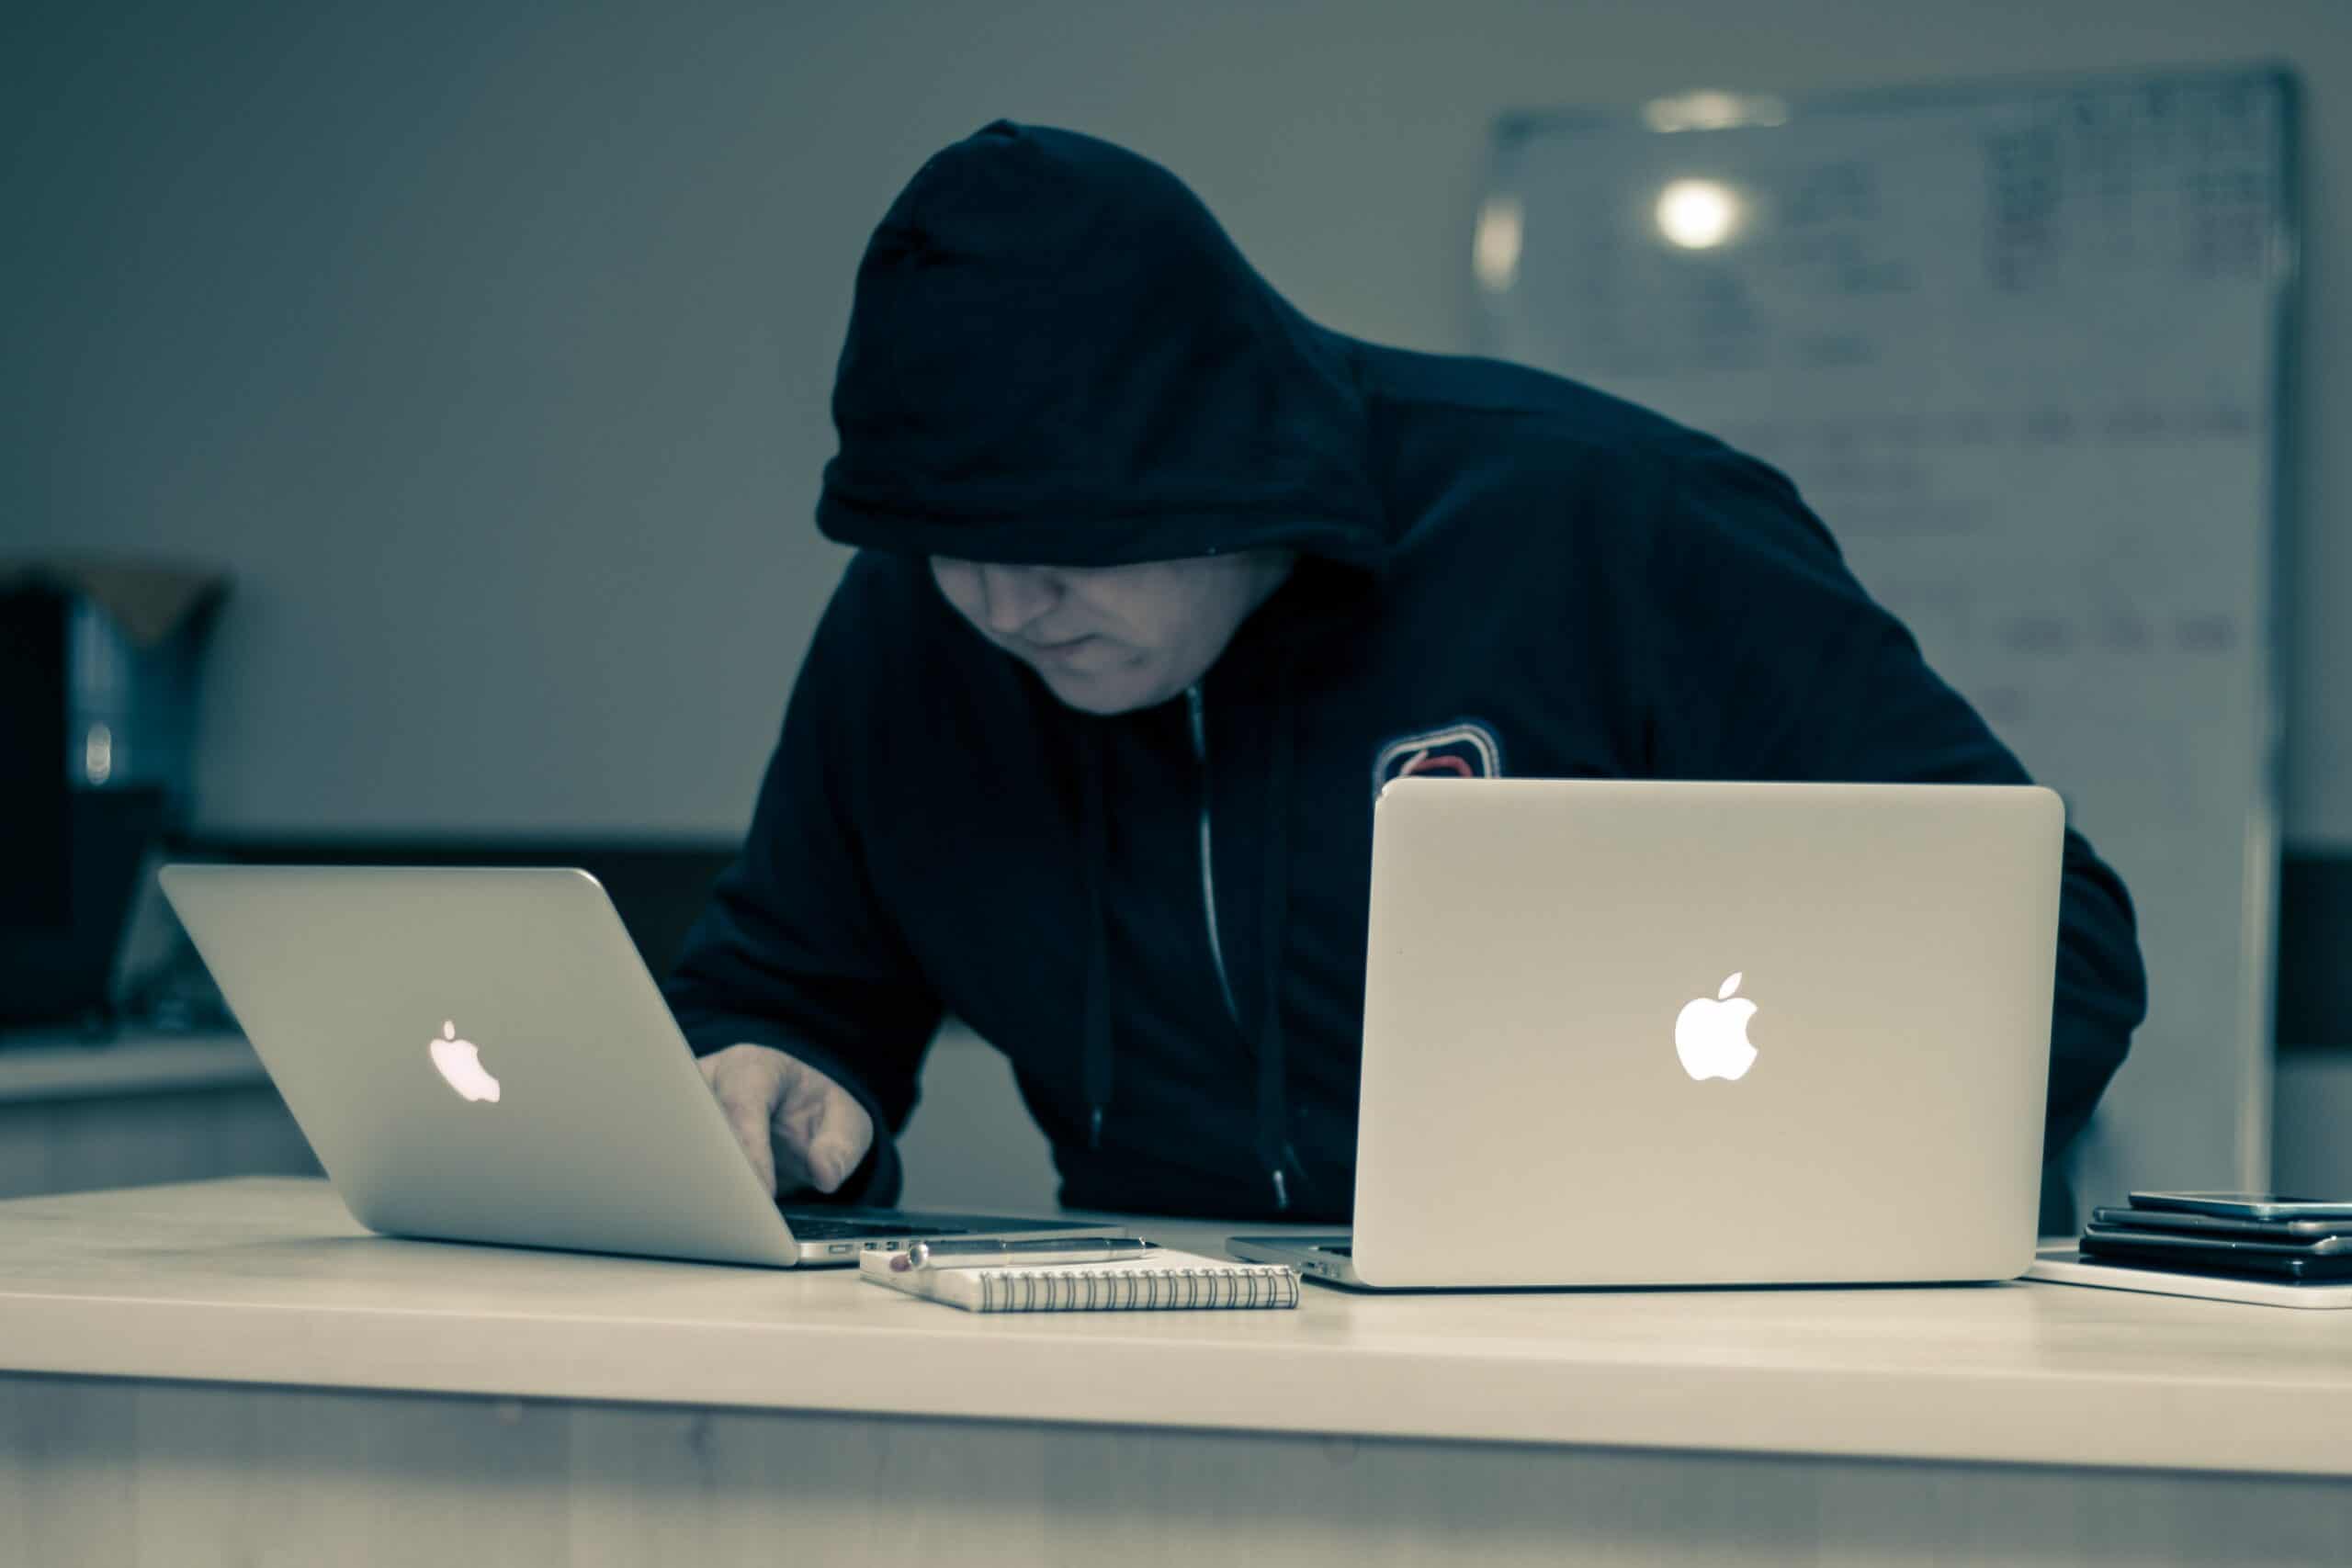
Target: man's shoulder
1536,445
1495,400
887,608
891,651
880,583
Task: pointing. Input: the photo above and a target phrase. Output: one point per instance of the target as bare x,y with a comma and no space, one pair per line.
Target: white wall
490,345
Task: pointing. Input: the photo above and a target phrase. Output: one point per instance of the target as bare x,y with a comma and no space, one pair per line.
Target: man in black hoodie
1159,581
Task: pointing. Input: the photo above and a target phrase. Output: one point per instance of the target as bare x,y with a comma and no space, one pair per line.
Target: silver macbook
1645,1034
481,1055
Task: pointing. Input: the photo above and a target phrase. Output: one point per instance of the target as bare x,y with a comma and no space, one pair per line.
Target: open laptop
1652,1034
481,1055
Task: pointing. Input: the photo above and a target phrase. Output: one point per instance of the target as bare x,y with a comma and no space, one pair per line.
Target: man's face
1110,639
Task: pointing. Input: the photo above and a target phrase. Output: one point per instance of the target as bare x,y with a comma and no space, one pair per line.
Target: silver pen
987,1254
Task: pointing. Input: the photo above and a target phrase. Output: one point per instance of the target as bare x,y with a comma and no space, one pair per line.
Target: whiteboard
2022,347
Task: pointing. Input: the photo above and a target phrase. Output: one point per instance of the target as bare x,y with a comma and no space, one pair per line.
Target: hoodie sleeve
1777,664
795,950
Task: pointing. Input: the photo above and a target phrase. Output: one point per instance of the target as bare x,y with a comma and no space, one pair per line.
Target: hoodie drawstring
1097,1004
1273,1099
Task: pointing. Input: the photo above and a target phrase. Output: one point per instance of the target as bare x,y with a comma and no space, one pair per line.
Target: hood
1056,356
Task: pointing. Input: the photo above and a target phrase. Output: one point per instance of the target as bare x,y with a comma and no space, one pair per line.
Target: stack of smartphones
2243,1234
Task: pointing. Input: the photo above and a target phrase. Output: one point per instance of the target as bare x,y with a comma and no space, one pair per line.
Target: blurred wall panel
489,345
132,1139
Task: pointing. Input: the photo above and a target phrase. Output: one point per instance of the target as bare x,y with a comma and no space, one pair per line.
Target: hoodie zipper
1194,707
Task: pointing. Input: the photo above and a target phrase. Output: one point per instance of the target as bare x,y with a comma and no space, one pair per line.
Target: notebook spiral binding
1141,1290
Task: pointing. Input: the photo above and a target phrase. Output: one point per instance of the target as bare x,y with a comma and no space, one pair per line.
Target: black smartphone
2285,1246
2248,1206
2221,1224
2180,1255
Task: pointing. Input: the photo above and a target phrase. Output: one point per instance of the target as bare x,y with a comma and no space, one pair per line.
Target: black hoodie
1056,357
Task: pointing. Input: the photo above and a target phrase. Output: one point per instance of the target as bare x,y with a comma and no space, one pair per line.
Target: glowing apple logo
1711,1036
459,1061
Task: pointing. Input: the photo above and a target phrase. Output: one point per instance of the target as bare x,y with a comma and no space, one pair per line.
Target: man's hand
795,1123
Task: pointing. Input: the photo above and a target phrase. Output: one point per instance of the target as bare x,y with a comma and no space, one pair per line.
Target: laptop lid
481,1055
1637,1033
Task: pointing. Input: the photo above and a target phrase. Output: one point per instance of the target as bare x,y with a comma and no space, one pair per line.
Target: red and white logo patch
1465,749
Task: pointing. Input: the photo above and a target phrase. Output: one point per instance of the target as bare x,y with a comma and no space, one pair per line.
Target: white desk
229,1371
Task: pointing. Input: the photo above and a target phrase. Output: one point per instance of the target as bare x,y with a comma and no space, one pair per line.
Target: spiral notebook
1159,1282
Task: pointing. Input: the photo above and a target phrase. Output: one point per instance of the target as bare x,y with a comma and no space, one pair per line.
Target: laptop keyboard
809,1227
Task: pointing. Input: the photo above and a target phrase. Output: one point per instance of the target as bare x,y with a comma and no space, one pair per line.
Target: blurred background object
98,692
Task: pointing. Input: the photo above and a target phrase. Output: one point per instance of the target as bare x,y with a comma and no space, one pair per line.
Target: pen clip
985,1255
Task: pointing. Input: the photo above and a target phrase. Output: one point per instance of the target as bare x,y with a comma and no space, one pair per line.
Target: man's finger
828,1155
798,1128
820,1127
748,1120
